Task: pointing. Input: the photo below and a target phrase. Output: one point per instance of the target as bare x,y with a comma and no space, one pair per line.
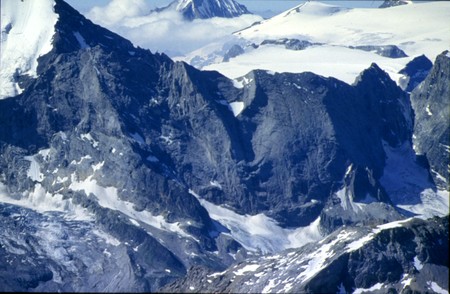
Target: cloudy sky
256,6
167,32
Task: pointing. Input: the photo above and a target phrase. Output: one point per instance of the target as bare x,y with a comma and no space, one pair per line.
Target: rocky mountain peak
192,9
393,3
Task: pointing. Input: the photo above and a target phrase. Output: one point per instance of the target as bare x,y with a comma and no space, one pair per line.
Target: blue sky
253,5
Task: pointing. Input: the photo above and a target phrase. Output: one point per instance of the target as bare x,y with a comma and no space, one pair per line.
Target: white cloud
117,10
165,31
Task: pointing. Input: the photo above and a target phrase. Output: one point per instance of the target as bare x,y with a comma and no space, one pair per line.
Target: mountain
121,170
202,9
400,257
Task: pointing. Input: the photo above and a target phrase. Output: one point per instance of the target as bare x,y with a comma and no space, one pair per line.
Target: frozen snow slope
318,22
417,28
23,22
259,232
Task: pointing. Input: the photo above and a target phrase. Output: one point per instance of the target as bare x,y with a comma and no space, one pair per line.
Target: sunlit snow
333,30
377,286
246,269
88,137
259,232
355,245
237,107
108,197
41,201
417,263
436,288
23,22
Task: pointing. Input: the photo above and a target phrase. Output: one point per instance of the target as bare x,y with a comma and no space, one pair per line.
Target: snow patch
355,245
215,184
272,284
42,201
436,288
427,109
134,222
107,237
417,263
88,137
34,172
237,107
108,197
377,286
238,84
406,280
246,269
81,40
98,166
317,259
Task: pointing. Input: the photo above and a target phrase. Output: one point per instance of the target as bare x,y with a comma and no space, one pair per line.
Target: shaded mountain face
431,105
194,9
415,72
116,149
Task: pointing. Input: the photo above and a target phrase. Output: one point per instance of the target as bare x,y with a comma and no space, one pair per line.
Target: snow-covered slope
341,41
392,254
261,233
23,22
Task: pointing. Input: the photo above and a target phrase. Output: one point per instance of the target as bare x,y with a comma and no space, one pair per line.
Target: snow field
336,28
323,23
23,22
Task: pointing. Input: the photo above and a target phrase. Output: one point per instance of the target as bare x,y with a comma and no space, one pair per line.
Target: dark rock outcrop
415,72
290,44
431,104
234,51
390,51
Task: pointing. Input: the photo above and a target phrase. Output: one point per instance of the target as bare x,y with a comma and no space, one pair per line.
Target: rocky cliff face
115,151
432,125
